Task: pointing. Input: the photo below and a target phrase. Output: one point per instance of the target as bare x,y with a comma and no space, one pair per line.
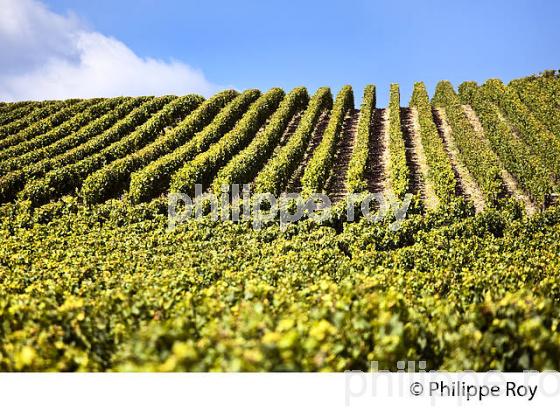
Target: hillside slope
92,278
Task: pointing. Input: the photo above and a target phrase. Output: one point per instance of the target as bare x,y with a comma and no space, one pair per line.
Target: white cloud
45,55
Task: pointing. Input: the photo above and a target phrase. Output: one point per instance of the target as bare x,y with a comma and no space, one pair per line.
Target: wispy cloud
45,55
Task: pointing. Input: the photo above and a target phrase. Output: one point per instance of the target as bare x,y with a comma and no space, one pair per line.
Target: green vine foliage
93,278
110,288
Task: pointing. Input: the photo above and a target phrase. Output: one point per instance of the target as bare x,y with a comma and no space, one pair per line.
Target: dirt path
466,184
428,193
290,129
336,185
377,160
294,185
510,183
288,132
417,185
386,156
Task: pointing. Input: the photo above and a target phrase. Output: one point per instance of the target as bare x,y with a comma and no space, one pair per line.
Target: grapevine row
356,181
42,111
6,106
514,153
19,112
94,127
154,179
399,173
538,95
116,175
7,109
275,175
319,167
63,113
11,183
474,153
205,165
45,112
243,167
440,172
63,130
63,180
542,141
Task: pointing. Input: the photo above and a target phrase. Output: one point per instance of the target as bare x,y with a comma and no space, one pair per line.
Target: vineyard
92,279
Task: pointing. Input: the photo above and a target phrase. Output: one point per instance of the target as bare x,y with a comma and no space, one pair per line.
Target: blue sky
313,43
